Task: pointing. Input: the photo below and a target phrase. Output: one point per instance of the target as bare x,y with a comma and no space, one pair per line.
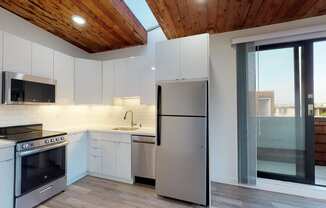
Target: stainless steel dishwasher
143,156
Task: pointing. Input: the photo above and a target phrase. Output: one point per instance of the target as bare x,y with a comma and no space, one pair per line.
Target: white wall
16,25
223,105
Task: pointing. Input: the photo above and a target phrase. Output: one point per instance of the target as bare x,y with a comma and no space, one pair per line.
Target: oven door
39,167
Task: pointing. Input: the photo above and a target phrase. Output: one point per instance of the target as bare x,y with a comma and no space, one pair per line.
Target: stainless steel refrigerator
182,141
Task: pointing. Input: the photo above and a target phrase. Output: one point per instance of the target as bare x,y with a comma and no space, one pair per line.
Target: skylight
143,13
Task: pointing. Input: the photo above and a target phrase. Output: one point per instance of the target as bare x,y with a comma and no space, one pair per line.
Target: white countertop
73,130
6,143
109,129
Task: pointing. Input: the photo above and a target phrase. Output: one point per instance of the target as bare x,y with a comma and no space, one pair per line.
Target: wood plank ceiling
179,18
109,23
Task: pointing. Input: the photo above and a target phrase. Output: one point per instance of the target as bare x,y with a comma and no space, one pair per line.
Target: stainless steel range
40,163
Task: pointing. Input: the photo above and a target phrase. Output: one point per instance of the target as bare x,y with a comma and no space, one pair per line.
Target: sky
143,13
276,73
320,72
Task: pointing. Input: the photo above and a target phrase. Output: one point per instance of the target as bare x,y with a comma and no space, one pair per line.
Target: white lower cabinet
123,167
110,156
7,177
76,157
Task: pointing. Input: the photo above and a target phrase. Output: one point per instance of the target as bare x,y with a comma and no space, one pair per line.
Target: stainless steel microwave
17,88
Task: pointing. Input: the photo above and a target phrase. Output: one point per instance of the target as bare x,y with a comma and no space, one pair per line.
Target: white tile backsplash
81,116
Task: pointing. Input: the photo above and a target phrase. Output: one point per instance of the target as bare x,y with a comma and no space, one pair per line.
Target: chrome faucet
132,124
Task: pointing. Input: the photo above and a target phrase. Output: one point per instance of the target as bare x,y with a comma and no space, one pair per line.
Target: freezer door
183,98
181,162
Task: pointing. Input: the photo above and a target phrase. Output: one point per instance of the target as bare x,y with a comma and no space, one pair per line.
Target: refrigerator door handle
158,122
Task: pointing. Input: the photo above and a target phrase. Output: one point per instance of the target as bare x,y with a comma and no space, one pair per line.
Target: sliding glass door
283,105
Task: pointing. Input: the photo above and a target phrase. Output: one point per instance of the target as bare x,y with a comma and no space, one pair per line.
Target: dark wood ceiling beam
110,23
215,16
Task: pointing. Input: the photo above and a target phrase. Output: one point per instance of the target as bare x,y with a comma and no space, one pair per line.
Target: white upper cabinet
121,71
135,66
147,84
64,74
167,60
1,50
127,77
88,81
42,61
194,57
183,58
17,54
108,82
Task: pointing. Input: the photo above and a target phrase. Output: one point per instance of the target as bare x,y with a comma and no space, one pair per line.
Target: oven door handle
38,150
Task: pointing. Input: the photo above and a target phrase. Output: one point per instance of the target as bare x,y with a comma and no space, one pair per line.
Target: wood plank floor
227,196
91,192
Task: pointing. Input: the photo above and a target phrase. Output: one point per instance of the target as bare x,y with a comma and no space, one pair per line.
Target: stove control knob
25,146
57,139
62,138
52,140
47,141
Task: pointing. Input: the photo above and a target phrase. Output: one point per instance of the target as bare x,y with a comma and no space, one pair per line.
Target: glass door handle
310,109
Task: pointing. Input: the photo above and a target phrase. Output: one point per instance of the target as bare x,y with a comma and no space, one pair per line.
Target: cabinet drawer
95,143
96,152
6,154
112,137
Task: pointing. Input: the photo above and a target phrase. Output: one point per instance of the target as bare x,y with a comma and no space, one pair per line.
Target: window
319,78
143,13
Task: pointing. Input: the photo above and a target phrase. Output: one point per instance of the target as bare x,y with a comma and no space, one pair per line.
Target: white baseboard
71,181
129,181
303,190
230,181
297,189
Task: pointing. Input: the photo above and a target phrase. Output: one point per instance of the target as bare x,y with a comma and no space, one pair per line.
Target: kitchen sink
125,128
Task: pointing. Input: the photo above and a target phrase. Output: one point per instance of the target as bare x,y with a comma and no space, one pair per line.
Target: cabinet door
17,54
167,60
194,56
134,67
94,155
64,74
120,70
7,183
88,81
124,161
108,82
42,61
147,83
127,77
76,157
109,163
94,164
1,51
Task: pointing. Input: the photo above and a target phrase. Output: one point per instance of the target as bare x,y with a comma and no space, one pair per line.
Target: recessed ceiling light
153,68
78,20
